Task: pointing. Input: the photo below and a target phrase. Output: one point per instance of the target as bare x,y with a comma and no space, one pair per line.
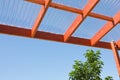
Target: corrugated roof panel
18,13
107,7
73,3
57,21
89,27
113,35
23,14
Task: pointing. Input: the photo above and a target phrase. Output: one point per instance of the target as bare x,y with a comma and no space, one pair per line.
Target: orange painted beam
80,18
105,29
118,44
116,56
42,2
40,17
17,31
100,16
71,9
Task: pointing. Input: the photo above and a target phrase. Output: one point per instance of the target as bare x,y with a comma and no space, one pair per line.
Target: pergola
67,37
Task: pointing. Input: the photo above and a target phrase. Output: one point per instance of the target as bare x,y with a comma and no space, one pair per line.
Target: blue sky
31,59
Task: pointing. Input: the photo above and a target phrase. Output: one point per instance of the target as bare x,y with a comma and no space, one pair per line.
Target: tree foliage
108,78
89,70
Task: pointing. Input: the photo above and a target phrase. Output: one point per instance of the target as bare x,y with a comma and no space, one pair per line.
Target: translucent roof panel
89,27
23,14
113,35
73,3
57,21
107,7
18,13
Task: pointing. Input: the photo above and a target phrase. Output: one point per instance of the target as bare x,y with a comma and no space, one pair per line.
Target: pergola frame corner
67,36
116,55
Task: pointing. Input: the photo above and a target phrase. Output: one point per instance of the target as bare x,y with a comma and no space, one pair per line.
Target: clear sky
31,59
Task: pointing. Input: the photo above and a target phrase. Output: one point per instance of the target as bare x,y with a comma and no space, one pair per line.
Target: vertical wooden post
116,55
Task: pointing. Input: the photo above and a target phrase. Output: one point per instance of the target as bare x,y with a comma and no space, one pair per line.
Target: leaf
90,69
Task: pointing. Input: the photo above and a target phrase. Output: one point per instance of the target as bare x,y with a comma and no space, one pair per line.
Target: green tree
89,70
109,78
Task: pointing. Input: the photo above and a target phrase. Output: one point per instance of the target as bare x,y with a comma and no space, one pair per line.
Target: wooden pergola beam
40,17
80,18
72,9
105,29
118,44
116,56
17,31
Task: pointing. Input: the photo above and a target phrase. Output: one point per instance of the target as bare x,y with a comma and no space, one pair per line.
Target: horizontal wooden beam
40,17
118,44
72,9
116,56
17,31
80,18
105,29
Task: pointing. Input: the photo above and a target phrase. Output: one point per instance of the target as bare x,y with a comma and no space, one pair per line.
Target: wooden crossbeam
80,18
72,9
118,44
17,31
42,2
116,56
105,29
40,16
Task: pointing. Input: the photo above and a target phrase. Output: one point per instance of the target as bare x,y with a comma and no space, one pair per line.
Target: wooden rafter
71,9
67,38
80,18
116,55
17,31
40,16
105,29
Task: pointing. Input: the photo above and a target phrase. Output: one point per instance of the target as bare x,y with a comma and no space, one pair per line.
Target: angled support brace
40,17
80,18
105,29
116,56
